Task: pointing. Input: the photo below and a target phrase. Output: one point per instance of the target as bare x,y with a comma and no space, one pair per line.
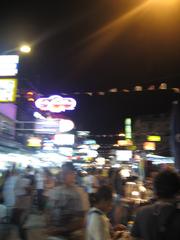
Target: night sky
95,45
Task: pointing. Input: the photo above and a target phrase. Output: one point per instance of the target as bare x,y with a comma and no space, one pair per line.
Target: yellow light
30,93
135,193
25,49
30,99
121,135
154,138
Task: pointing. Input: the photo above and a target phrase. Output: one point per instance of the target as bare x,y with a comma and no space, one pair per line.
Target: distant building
153,125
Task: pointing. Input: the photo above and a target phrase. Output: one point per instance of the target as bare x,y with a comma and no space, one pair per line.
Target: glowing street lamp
25,49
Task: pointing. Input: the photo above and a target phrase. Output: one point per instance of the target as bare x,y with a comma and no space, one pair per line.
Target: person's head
166,184
68,172
104,197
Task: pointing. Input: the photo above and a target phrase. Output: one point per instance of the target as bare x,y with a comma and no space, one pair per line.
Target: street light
25,49
18,50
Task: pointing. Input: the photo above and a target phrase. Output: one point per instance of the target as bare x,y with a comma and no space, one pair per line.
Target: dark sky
94,45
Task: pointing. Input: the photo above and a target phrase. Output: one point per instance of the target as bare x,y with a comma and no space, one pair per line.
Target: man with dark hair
70,206
98,225
161,220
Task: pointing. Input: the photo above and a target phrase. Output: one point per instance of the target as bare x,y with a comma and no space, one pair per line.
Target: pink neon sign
55,104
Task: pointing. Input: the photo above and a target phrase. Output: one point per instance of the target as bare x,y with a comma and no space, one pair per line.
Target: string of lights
31,95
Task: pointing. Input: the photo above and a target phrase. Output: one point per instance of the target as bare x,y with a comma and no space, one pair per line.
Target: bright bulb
25,49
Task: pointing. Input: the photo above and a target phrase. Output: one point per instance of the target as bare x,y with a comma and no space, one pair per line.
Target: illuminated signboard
128,128
126,142
65,125
89,142
8,89
55,104
34,142
9,65
53,125
154,138
149,146
123,155
64,139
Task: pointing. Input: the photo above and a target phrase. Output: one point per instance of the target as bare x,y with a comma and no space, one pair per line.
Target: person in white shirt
8,193
39,180
98,226
91,182
23,204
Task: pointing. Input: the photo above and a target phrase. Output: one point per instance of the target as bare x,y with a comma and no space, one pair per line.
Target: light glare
25,49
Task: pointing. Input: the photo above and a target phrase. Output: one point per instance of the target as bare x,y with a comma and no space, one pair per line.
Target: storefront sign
55,104
149,146
154,138
8,89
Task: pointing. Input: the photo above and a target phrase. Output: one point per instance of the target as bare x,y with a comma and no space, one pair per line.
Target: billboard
53,125
8,89
123,155
9,65
64,139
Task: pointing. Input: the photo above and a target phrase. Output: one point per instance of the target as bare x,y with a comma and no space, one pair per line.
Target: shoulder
94,214
145,211
95,211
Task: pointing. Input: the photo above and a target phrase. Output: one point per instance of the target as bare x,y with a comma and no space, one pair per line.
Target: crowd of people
90,206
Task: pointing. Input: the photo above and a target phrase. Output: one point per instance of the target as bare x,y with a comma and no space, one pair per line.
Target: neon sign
55,104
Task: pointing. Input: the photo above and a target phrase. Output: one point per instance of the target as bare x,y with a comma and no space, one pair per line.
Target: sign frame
14,90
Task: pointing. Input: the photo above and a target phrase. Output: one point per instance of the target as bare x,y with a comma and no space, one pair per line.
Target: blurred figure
39,185
8,192
4,220
98,225
29,173
91,184
117,183
67,214
50,182
160,220
23,191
